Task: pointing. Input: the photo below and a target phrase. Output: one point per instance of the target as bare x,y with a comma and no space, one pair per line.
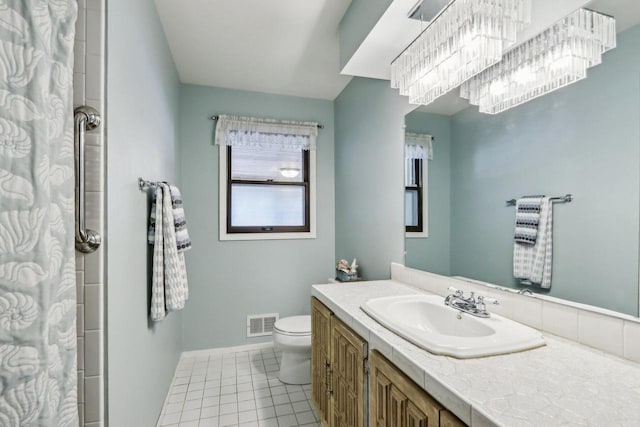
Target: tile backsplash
611,332
88,89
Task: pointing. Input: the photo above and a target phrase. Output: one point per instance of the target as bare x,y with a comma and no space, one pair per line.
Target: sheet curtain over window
237,131
418,146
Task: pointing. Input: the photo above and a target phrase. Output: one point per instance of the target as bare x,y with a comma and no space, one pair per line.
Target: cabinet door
406,405
447,419
415,417
397,408
320,339
348,352
380,390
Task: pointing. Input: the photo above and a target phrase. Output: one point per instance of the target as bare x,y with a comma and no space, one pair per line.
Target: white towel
532,263
169,285
157,282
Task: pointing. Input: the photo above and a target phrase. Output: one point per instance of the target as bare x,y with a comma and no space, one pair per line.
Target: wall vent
260,325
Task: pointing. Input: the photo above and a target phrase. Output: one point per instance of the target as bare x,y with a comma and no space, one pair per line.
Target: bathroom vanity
364,374
339,367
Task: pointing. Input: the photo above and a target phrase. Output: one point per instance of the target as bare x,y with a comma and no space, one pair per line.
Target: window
413,196
418,149
267,174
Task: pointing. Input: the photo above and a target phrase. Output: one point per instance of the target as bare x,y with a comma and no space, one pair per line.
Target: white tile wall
88,89
614,333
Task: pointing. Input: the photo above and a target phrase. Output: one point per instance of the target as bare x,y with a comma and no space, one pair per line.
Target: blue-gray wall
142,123
369,168
231,279
583,139
433,253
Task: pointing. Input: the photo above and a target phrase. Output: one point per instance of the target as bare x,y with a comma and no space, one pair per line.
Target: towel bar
143,184
561,199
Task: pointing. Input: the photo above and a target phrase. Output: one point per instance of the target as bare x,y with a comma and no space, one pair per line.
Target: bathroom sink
428,323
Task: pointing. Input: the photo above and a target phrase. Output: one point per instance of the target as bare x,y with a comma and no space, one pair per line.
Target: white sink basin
428,323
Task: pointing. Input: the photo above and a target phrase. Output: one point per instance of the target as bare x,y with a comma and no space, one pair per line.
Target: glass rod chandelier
554,58
464,39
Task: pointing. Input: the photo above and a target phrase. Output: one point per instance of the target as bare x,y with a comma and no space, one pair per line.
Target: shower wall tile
93,312
93,353
95,5
94,210
80,319
81,386
80,289
80,355
94,180
81,23
79,51
93,87
94,267
88,85
78,88
94,43
93,388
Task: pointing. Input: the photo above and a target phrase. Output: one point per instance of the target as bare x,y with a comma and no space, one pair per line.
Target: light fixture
289,172
553,59
466,37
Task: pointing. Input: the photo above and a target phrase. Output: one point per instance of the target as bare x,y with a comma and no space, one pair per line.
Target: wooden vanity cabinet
339,382
337,369
396,401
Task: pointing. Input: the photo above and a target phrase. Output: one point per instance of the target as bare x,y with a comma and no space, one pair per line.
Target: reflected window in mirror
418,149
413,193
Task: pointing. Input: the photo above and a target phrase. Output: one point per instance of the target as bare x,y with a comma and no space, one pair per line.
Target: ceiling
285,47
290,47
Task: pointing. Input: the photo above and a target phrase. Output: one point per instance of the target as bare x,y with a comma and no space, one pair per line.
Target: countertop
561,384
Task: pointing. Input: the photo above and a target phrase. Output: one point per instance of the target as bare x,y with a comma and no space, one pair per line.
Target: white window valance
418,146
237,131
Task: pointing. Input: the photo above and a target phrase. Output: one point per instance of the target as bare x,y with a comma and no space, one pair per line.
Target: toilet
292,335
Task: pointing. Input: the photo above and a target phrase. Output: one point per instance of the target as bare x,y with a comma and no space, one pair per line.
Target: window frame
422,229
226,232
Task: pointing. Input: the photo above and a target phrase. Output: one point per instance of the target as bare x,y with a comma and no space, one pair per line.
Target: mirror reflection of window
418,150
413,195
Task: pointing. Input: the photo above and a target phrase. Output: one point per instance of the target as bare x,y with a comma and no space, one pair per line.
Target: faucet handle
487,300
456,291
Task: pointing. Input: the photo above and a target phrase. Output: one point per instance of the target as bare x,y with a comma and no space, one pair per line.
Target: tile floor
235,389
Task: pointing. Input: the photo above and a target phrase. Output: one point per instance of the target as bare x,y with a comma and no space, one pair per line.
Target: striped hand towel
180,223
179,220
532,263
527,220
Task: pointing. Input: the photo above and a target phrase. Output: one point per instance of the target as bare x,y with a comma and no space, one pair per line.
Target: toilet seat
293,326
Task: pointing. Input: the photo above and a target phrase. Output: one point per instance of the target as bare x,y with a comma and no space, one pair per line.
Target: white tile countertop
563,383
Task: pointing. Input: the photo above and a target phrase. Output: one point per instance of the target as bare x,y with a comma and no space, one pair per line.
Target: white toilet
292,335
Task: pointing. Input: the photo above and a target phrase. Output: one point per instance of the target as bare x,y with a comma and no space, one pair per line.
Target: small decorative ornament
347,272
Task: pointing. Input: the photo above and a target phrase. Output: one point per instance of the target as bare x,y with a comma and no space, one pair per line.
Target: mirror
583,139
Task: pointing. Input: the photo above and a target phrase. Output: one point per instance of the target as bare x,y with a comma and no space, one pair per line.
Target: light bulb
289,172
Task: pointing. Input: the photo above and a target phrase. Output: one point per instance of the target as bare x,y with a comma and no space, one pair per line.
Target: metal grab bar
85,118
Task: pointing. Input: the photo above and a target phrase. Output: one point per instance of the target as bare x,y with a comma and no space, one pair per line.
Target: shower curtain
38,380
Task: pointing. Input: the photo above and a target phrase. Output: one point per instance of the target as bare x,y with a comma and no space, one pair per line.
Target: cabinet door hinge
366,366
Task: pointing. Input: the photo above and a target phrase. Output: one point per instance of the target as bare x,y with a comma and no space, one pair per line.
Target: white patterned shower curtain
38,380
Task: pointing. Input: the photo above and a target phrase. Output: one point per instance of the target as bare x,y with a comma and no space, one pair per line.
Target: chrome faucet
476,306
